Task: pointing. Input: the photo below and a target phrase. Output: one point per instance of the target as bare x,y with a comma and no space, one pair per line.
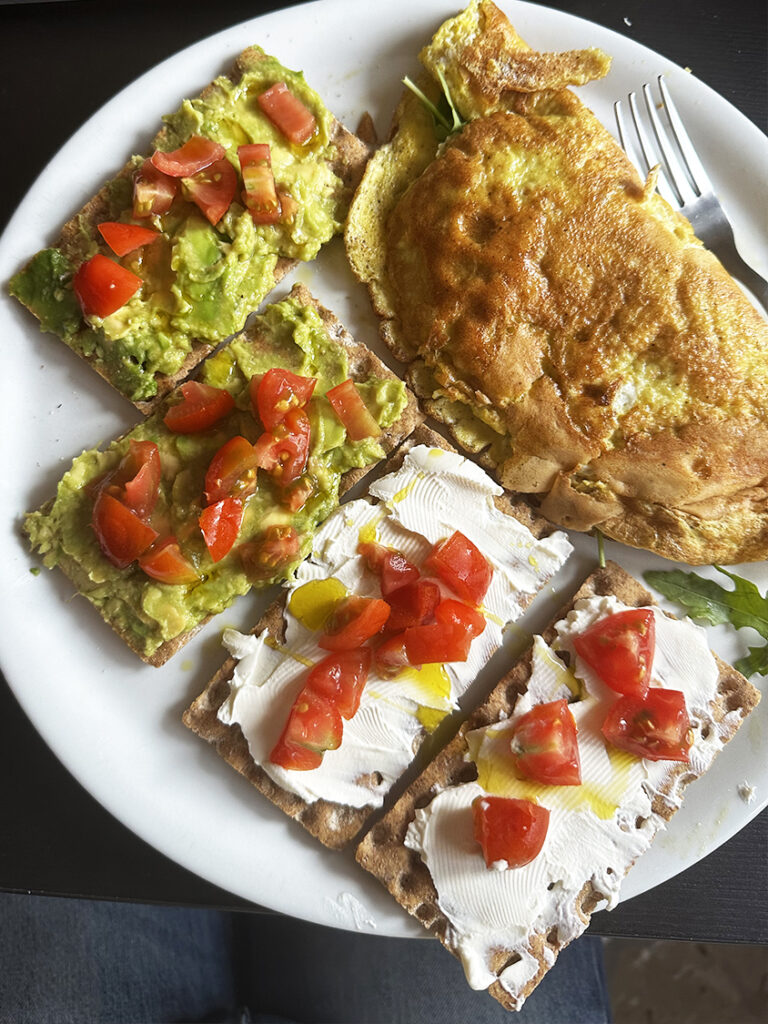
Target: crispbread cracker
362,364
335,825
351,155
382,851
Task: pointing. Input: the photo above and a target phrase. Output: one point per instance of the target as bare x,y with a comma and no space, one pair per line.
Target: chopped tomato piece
456,613
296,495
277,392
232,472
412,604
139,476
341,677
213,189
437,643
283,452
509,830
260,194
390,657
295,758
545,745
200,407
461,566
220,525
121,534
353,621
392,566
270,552
103,286
288,113
288,206
165,563
196,154
620,649
153,191
314,723
656,727
124,238
352,411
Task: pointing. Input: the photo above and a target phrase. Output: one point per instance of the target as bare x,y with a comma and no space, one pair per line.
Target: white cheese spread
432,495
596,830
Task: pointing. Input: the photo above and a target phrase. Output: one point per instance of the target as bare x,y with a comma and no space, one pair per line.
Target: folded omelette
556,313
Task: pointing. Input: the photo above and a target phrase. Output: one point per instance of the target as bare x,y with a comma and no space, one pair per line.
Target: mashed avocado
200,281
148,613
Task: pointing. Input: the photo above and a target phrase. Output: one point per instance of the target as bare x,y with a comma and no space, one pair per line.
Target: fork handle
724,247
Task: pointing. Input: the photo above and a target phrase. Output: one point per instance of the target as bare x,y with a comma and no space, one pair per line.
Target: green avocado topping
199,281
148,613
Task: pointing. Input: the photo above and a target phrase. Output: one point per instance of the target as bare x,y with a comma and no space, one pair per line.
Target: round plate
114,722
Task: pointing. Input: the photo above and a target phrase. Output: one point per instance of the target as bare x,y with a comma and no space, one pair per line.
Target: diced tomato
213,189
277,392
273,550
165,563
341,678
220,525
352,411
232,472
437,643
288,113
288,206
314,723
124,238
461,566
283,452
200,407
296,495
656,727
353,621
196,154
136,481
456,613
412,604
153,191
620,649
295,758
103,286
509,830
393,567
390,657
121,534
545,746
260,194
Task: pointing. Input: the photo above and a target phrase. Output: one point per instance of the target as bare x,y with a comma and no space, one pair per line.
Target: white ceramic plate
115,723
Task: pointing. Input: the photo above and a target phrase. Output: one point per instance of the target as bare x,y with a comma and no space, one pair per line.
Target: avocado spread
147,613
199,281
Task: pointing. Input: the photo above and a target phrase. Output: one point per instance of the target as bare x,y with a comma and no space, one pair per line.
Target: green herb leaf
708,602
447,121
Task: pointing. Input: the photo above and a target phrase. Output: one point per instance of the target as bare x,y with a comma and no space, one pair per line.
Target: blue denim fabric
86,962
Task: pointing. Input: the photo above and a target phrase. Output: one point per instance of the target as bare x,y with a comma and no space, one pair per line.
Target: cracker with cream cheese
507,926
428,492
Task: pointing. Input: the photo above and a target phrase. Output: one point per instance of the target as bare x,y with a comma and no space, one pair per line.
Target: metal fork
684,183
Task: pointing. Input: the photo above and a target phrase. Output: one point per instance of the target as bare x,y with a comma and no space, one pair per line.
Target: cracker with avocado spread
396,716
110,502
213,259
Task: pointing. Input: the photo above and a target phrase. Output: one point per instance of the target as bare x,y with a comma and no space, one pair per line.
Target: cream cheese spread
596,830
433,494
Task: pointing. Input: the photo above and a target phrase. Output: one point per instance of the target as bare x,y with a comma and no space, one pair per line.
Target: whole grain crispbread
362,364
333,824
382,851
76,237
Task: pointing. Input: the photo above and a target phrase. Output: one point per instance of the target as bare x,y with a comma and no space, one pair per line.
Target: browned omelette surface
562,318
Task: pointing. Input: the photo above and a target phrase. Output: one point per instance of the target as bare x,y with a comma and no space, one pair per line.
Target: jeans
86,962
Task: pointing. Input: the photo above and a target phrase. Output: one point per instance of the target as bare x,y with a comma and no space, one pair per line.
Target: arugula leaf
446,121
706,601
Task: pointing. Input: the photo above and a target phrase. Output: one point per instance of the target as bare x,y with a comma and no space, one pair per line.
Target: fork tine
649,157
676,170
699,177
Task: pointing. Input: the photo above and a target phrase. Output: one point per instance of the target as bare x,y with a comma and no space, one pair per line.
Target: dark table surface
61,62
